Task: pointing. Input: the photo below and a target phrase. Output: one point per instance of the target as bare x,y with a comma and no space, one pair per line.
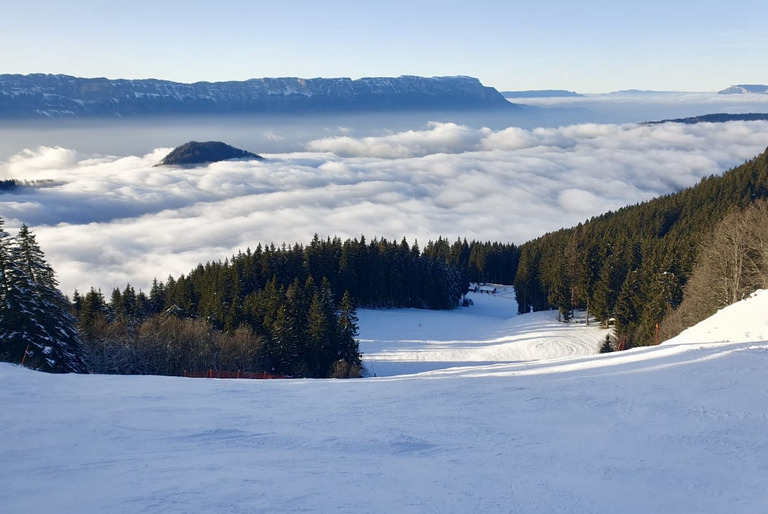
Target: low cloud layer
107,221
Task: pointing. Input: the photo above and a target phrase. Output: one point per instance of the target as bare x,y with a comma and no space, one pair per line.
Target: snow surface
675,428
405,341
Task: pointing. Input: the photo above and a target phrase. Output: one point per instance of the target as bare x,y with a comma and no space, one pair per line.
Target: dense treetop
286,310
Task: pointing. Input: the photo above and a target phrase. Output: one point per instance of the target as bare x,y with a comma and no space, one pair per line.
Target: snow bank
744,321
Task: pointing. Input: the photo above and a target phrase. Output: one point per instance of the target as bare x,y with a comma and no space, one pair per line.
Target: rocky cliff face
65,96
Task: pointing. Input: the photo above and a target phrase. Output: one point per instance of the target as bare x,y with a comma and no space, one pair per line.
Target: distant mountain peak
745,89
194,152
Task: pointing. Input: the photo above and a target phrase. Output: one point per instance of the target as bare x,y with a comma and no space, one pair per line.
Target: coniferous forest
633,266
650,269
287,311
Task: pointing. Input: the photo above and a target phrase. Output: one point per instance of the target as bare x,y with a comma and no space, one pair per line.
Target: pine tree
320,338
36,317
289,333
92,311
628,305
607,346
9,273
347,349
157,294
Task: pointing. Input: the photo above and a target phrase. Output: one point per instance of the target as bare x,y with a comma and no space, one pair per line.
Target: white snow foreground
675,428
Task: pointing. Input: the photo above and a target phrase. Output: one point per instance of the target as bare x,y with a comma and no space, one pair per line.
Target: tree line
287,310
298,331
13,184
376,274
633,266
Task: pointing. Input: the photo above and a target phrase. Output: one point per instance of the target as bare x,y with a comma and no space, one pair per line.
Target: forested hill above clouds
632,266
40,95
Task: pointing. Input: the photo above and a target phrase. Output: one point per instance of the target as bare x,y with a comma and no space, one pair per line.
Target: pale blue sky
588,46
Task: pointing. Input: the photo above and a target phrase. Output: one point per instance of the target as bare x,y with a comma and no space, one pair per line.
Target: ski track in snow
405,341
675,428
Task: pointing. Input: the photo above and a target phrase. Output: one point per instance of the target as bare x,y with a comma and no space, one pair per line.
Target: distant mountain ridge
642,92
745,89
56,96
719,117
541,93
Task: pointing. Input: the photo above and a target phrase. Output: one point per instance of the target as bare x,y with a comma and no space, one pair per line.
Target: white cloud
439,138
113,220
30,162
578,200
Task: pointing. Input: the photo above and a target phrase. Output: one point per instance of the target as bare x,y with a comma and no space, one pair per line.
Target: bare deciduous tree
730,266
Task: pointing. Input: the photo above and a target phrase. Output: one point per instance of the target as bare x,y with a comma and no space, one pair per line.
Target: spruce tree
607,346
347,349
37,326
628,305
91,312
9,272
289,333
319,338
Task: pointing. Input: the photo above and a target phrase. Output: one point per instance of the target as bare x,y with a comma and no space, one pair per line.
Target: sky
590,46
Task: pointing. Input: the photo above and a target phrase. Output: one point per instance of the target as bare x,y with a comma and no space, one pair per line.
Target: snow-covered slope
675,428
746,321
400,342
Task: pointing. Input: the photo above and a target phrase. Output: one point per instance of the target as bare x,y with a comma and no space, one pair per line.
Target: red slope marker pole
23,359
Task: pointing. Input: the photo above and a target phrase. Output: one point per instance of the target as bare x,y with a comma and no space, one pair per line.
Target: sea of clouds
105,221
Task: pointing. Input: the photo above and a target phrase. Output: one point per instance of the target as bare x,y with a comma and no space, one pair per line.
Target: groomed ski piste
475,410
406,341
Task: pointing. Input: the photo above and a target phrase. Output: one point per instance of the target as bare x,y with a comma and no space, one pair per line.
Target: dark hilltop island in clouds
63,96
202,153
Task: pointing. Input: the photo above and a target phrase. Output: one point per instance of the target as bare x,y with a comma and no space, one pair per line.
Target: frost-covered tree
10,275
35,323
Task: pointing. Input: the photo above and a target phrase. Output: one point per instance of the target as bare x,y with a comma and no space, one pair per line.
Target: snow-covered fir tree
348,350
9,275
36,326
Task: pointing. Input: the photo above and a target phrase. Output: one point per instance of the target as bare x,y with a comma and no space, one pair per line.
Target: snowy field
406,341
463,421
